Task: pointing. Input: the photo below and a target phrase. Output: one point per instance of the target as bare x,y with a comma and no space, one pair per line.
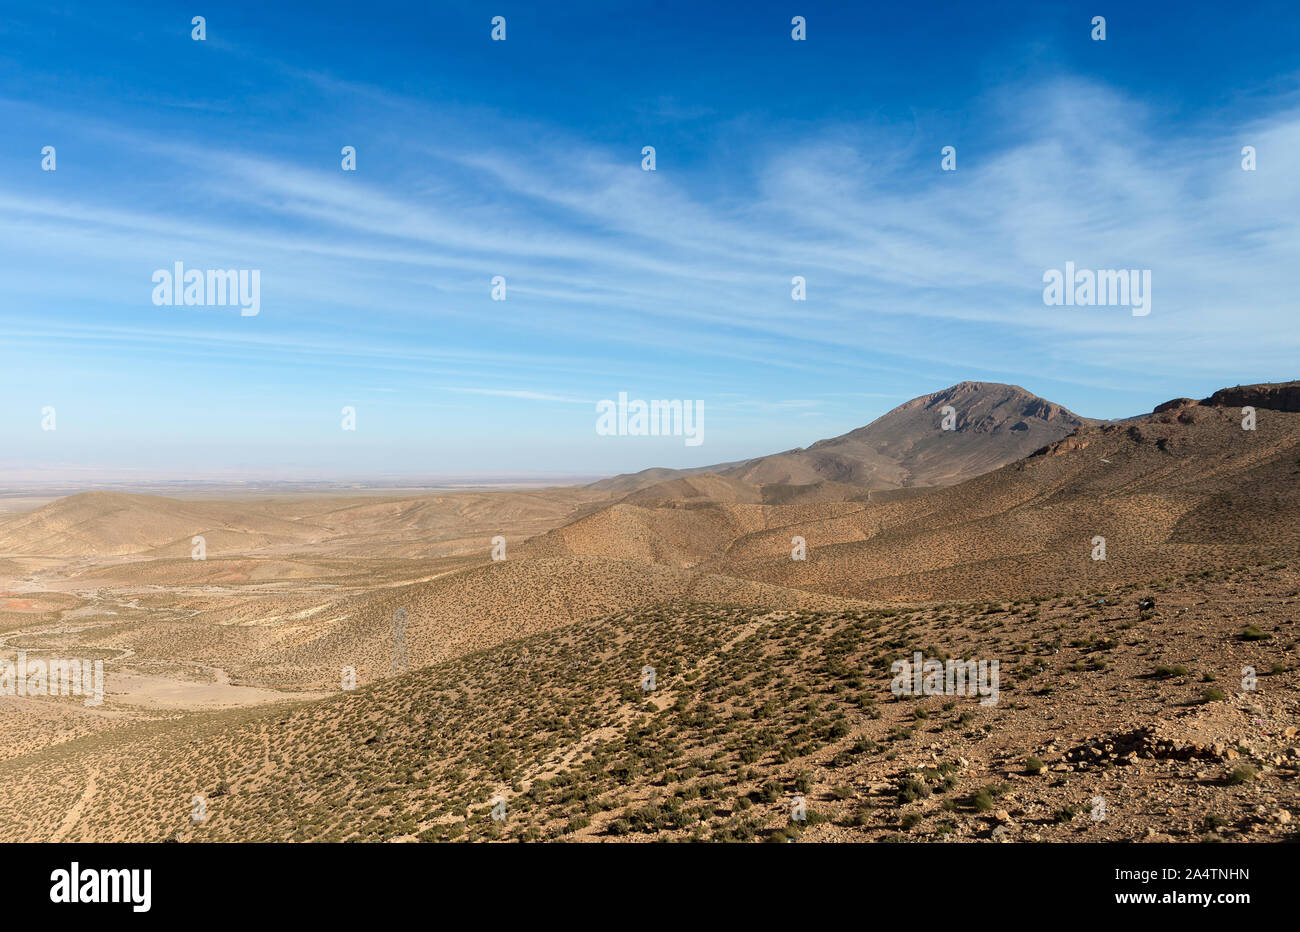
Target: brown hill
102,524
1275,396
471,610
750,712
115,523
993,424
694,489
1185,487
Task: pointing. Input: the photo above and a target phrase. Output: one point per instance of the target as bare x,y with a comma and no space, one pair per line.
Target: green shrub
910,790
1242,773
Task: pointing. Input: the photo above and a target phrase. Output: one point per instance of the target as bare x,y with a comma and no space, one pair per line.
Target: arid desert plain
707,654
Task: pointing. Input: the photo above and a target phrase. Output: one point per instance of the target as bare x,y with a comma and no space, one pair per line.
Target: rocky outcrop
1274,396
1143,744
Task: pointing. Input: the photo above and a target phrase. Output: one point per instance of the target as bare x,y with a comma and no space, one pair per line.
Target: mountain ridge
992,424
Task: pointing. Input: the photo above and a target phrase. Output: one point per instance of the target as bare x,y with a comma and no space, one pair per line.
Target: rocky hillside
937,439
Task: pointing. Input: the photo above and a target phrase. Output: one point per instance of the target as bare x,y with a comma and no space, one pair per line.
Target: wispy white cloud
892,249
620,278
522,393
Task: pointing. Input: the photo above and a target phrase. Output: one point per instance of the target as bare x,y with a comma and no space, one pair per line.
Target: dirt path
73,815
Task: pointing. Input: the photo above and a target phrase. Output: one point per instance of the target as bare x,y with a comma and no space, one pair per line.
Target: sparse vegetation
770,682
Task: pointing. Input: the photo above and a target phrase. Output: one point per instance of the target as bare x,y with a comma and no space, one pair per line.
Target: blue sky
522,158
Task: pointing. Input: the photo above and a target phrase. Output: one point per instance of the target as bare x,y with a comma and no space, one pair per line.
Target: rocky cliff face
1275,396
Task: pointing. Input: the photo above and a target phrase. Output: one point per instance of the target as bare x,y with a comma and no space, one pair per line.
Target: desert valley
701,654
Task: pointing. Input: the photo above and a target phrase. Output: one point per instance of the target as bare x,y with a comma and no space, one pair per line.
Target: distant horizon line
72,485
32,478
